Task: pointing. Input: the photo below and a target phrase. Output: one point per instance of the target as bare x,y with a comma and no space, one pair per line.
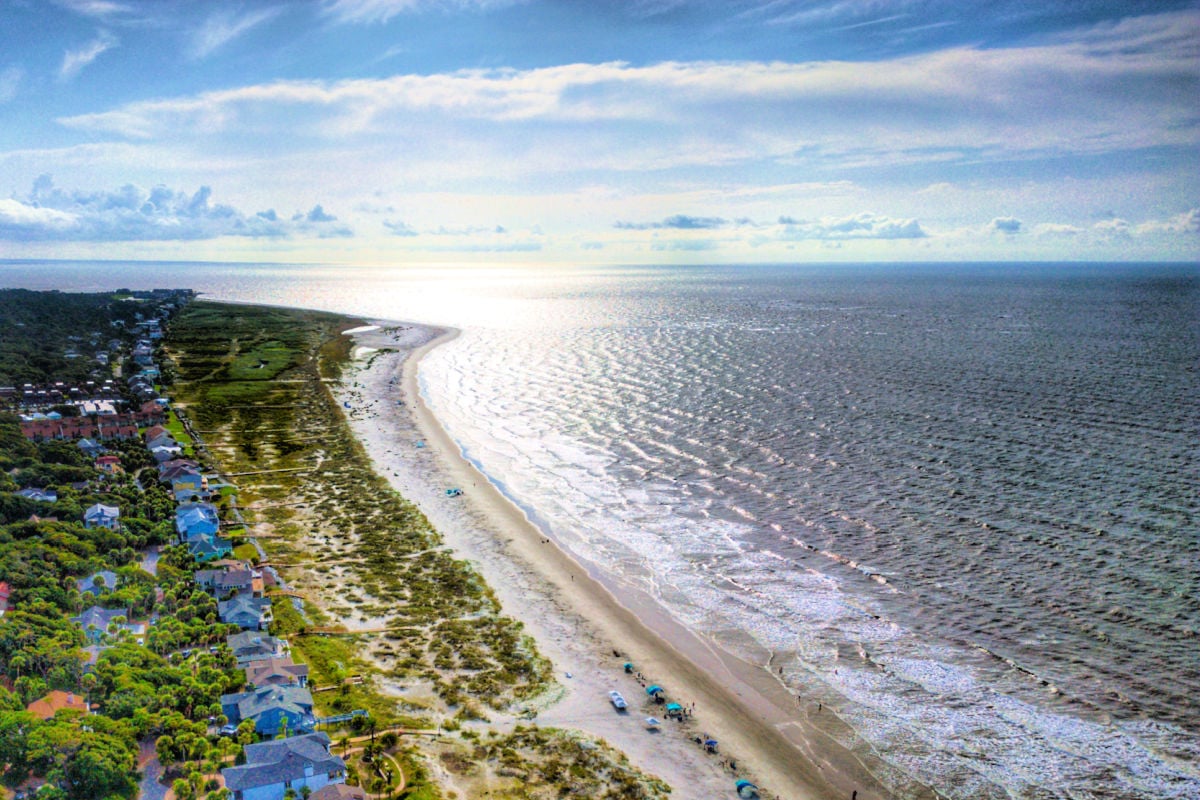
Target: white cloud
378,11
961,105
75,60
1005,225
1187,222
135,214
223,27
858,226
100,9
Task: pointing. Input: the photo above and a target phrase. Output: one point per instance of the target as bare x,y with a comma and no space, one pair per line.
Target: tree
164,748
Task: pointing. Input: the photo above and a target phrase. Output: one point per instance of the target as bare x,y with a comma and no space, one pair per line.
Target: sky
623,131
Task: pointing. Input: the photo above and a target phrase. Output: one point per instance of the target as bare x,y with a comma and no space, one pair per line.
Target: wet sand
766,733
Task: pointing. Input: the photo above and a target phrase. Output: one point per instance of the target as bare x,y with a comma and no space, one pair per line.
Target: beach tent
674,710
746,789
652,723
710,745
628,667
654,689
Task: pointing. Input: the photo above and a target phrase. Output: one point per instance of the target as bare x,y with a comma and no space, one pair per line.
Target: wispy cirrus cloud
98,9
379,11
223,27
75,60
131,213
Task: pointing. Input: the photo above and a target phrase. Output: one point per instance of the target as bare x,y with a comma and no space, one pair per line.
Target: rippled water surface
958,503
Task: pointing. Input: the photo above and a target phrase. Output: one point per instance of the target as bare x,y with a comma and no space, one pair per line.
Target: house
164,452
153,431
5,593
90,448
224,582
46,707
95,622
272,708
248,613
276,672
40,495
89,585
275,766
338,791
102,516
169,469
189,480
164,439
251,646
195,520
210,548
110,465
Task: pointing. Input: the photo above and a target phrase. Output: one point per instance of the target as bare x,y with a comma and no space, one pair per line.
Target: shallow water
958,503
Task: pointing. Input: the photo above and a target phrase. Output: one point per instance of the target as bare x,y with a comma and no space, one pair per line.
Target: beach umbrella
629,666
710,745
654,689
652,722
746,789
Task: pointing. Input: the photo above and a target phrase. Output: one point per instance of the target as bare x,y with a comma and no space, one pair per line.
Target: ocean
956,504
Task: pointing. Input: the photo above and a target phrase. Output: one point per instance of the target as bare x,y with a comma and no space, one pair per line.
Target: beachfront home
275,766
221,583
102,516
186,479
339,791
196,520
250,646
272,708
90,448
210,548
5,594
248,613
276,672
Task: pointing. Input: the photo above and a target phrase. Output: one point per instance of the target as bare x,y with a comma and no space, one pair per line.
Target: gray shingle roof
281,761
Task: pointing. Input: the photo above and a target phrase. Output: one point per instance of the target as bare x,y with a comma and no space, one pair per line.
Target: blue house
102,516
196,520
275,766
271,707
247,612
210,548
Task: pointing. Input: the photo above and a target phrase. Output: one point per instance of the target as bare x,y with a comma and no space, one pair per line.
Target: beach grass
419,633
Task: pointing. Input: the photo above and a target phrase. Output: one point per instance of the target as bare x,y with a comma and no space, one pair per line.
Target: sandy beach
582,620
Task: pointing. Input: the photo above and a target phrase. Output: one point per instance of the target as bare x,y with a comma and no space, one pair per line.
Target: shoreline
759,722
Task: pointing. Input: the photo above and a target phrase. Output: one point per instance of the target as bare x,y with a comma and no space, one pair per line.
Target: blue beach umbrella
654,689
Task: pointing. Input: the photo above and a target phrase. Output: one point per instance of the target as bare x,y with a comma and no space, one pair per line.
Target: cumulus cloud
1187,222
223,27
131,213
683,222
75,60
859,226
1005,225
